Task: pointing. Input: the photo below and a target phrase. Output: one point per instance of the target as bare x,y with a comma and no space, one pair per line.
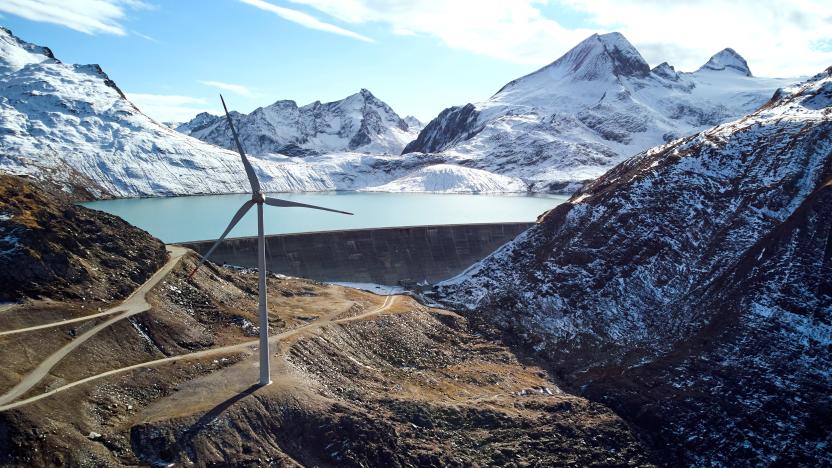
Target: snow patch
448,178
381,289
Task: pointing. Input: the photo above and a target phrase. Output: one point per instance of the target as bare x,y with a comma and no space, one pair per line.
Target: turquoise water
179,219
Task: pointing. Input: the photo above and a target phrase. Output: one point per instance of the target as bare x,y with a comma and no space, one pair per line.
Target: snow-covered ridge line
71,125
549,131
572,120
360,122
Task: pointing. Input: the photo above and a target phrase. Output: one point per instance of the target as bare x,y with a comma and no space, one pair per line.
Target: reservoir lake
180,219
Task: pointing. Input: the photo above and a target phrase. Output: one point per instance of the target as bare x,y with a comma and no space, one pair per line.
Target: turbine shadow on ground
171,453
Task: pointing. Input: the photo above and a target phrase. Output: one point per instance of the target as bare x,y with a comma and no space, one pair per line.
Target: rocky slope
360,123
689,288
575,118
52,249
359,379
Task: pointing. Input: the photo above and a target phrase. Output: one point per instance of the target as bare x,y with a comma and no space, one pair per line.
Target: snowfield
448,178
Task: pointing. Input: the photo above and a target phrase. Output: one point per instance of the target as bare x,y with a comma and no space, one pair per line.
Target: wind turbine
257,198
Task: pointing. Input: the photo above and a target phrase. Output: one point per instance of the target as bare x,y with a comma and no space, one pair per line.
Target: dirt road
40,372
136,303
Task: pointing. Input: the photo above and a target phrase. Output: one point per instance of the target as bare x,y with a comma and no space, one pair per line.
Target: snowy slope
690,287
360,123
574,119
447,178
71,125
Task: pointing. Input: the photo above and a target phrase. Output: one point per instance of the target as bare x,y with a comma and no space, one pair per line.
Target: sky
173,57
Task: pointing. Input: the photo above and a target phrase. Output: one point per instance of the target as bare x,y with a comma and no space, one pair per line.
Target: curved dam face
383,256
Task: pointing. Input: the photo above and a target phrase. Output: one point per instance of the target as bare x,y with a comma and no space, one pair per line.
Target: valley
173,383
607,262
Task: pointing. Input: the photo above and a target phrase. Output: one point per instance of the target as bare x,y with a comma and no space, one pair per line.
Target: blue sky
420,56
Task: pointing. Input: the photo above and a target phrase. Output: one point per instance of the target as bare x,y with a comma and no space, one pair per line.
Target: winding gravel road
136,304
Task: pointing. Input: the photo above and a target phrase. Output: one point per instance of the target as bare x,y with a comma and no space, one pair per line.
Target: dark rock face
453,125
50,248
689,288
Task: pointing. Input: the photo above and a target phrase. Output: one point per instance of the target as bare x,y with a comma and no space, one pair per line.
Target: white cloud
169,108
514,30
778,38
304,19
234,88
145,37
86,16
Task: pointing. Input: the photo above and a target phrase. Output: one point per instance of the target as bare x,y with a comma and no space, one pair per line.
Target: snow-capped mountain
413,125
72,126
574,119
690,288
359,123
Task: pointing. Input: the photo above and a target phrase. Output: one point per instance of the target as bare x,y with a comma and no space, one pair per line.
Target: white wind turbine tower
257,198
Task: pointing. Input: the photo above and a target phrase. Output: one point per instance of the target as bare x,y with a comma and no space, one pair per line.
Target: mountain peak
16,53
667,71
727,59
600,54
366,95
598,57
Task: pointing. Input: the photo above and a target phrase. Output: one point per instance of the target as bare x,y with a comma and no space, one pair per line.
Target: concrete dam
382,255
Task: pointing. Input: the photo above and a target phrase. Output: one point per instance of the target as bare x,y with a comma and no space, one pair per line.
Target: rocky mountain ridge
360,122
71,126
598,104
689,287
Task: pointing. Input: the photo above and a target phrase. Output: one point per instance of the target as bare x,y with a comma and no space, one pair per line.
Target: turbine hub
258,197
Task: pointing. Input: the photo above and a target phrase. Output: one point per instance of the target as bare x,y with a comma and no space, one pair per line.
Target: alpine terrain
549,131
72,126
360,123
690,287
574,119
127,360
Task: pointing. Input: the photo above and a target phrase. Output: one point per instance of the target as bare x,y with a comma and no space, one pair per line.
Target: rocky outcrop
50,248
453,124
689,287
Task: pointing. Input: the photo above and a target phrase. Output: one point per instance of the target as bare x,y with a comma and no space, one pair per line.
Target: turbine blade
237,217
252,177
290,204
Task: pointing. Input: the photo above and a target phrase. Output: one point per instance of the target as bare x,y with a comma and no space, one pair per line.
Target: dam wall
382,255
